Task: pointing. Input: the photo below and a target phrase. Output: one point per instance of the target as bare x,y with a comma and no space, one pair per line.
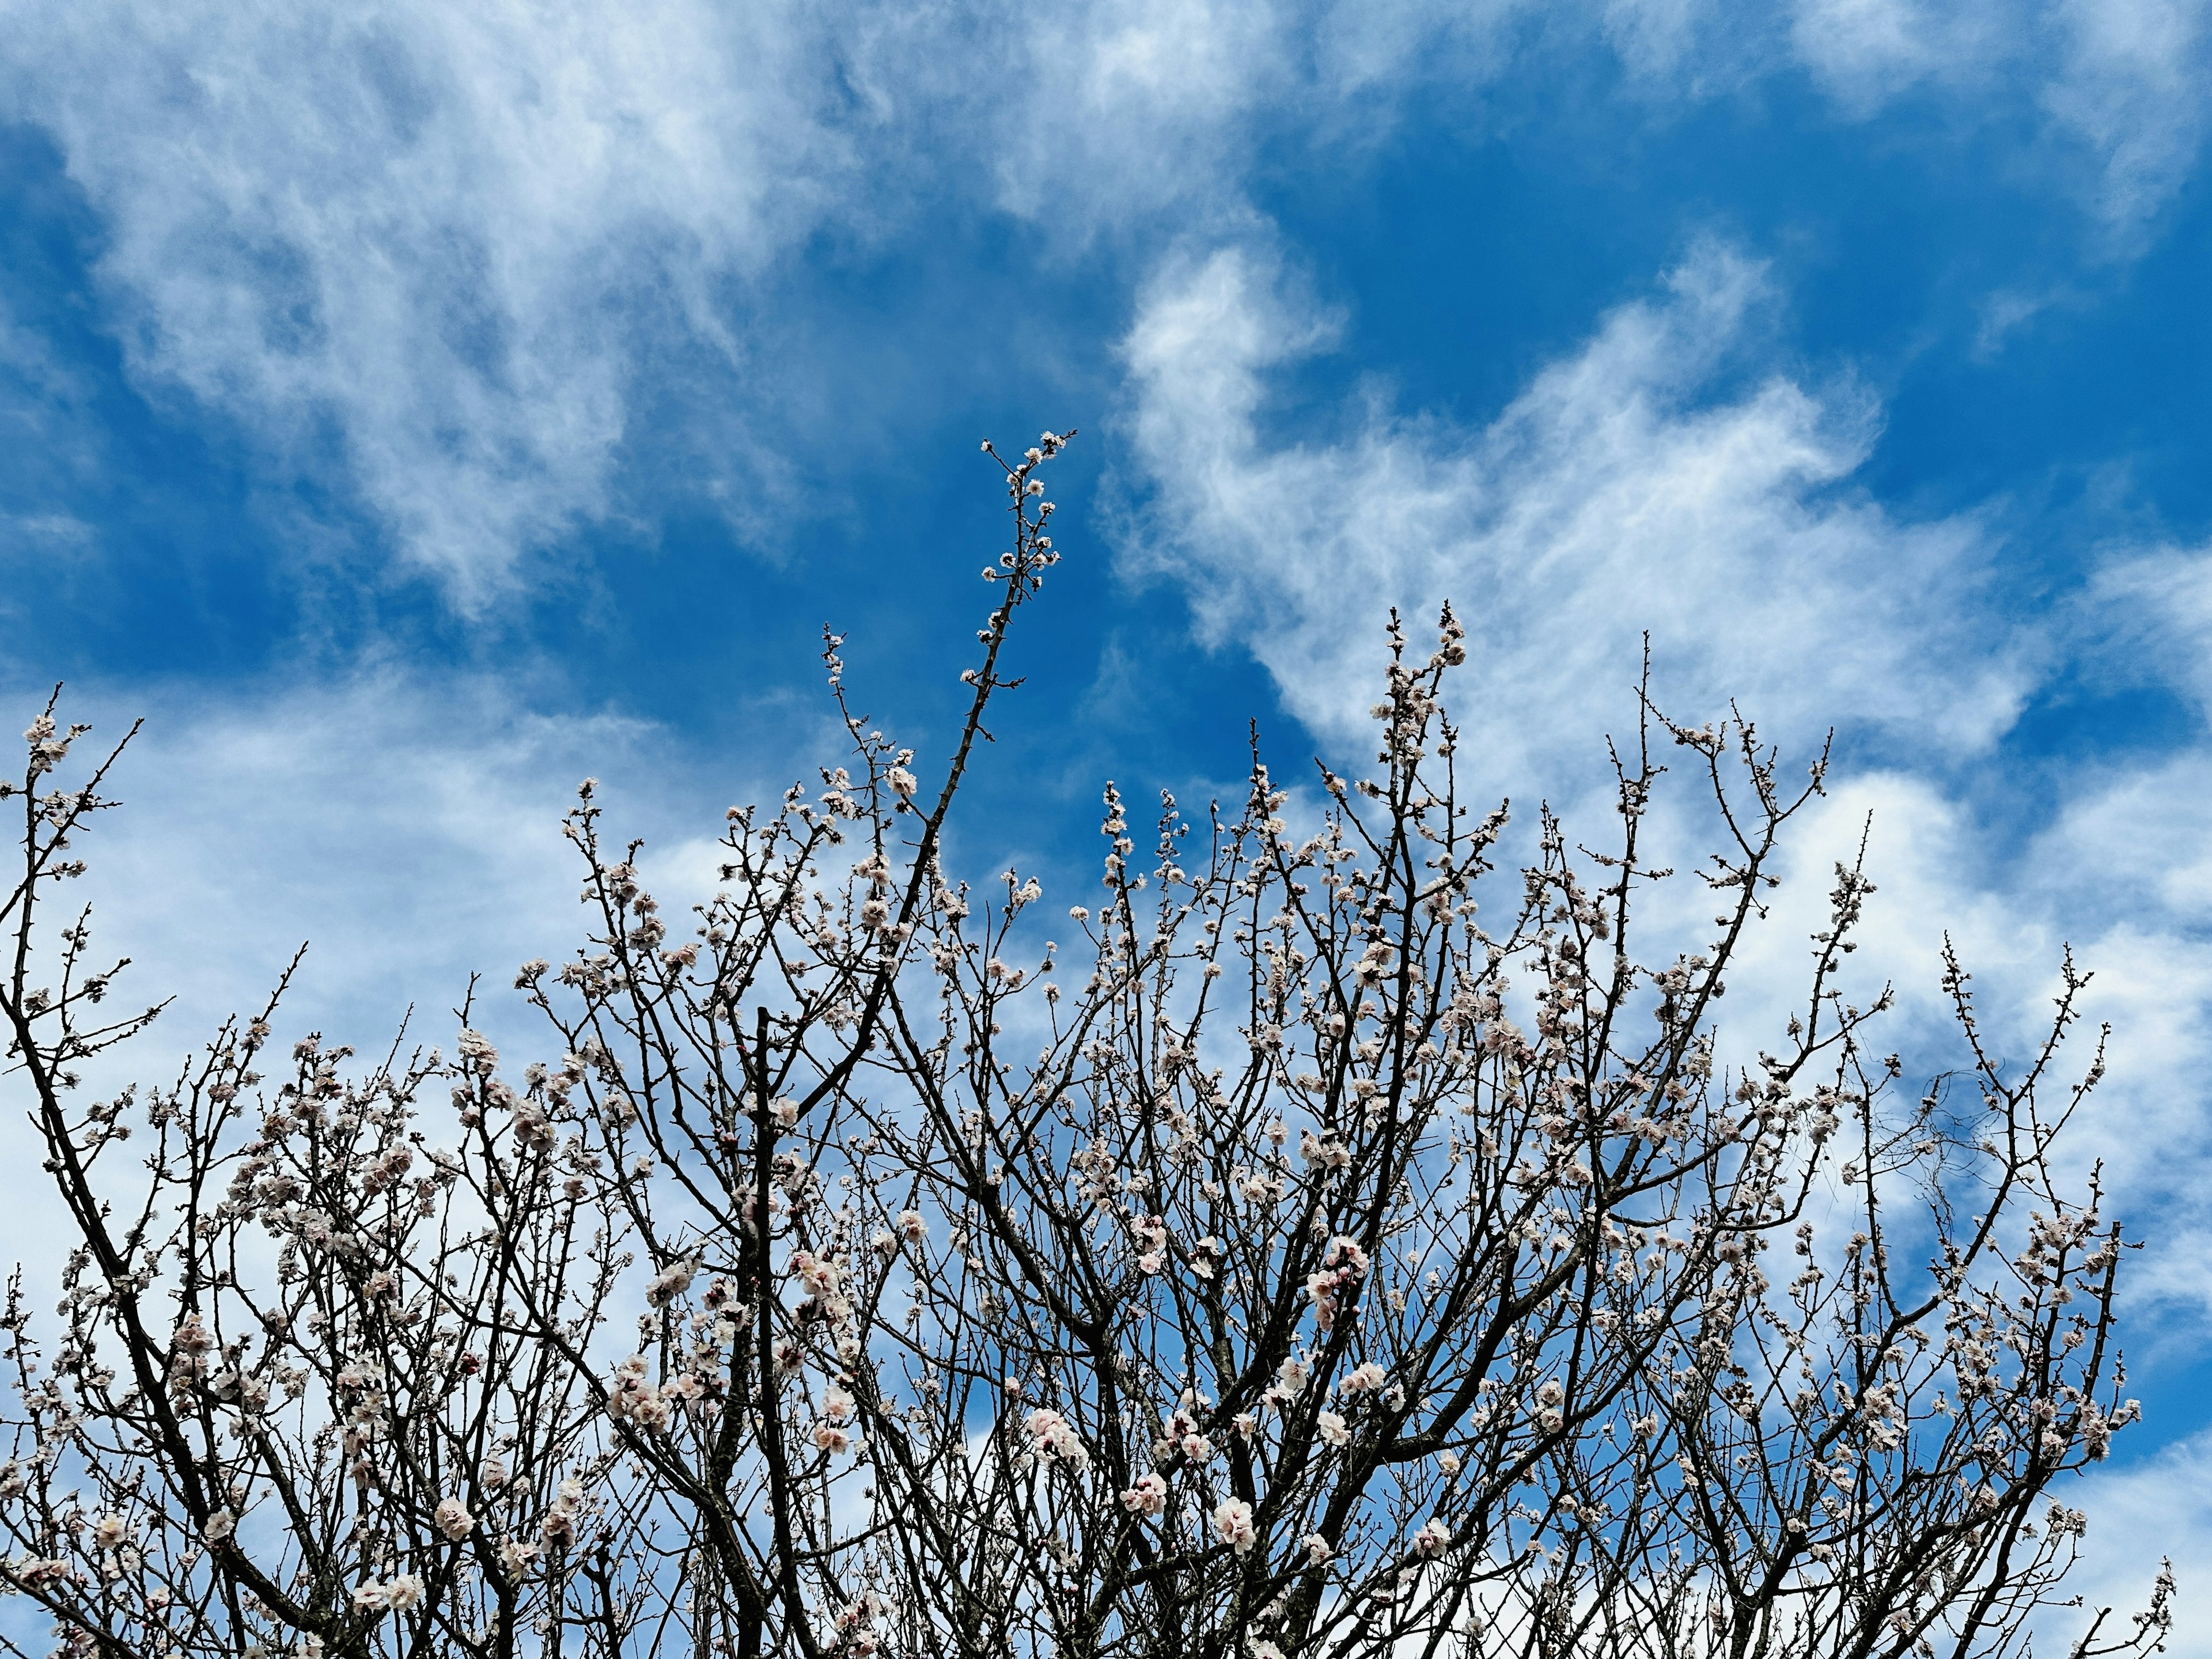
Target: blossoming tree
1298,1260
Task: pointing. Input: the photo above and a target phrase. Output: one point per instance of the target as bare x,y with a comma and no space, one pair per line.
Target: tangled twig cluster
1294,1262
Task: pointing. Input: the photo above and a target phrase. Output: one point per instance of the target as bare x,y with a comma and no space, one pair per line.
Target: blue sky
409,412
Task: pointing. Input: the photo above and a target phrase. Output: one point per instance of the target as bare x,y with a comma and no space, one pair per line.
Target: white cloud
1866,52
2103,101
408,831
1159,105
2132,86
1620,492
2121,86
1152,106
432,236
2152,611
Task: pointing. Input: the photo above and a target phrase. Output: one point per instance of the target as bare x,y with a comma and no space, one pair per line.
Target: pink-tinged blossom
1363,1380
1320,1289
1051,1436
1233,1522
671,1282
1148,1496
391,1596
632,1396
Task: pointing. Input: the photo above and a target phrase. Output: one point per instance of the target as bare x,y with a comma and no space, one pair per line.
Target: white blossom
1233,1522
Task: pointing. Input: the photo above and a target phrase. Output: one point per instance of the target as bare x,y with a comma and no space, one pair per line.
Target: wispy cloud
2102,101
2133,87
2152,609
1630,488
2120,86
436,240
1138,116
406,829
